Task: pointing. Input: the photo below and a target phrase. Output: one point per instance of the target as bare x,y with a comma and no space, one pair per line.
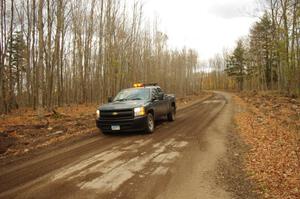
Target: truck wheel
171,115
150,123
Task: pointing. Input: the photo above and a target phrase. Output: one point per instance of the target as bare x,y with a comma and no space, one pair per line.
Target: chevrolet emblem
114,113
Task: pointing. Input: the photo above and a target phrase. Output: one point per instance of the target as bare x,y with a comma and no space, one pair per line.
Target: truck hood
123,105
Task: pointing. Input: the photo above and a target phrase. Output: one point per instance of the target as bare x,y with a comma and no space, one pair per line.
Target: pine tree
16,53
236,64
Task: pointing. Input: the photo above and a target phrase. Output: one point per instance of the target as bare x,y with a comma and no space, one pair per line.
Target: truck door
164,102
157,104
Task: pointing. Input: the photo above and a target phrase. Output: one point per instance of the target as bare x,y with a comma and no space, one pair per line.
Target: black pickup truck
136,109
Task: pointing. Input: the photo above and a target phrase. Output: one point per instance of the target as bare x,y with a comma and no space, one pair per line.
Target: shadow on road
158,123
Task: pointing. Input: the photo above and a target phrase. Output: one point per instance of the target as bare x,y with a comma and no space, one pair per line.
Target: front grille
124,125
116,114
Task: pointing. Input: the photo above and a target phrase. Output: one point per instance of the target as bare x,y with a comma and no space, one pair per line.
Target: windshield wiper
121,100
137,98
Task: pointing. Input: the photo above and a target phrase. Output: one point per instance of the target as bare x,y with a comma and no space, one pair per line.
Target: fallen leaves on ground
25,130
270,126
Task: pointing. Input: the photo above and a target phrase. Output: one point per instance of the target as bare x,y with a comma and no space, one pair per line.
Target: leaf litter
269,124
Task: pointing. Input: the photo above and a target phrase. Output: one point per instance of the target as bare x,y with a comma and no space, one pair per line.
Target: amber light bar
137,85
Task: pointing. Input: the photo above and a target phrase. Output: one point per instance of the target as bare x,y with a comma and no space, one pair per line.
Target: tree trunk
40,67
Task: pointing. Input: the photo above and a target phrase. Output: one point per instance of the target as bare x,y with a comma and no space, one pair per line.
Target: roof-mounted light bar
139,85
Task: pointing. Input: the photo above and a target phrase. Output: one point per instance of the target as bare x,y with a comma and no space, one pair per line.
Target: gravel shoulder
231,174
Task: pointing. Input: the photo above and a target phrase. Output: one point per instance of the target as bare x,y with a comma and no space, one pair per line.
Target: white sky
208,26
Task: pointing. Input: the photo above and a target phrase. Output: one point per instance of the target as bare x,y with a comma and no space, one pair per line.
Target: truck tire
150,123
171,115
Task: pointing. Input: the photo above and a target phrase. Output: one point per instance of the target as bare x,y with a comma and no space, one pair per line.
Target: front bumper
135,124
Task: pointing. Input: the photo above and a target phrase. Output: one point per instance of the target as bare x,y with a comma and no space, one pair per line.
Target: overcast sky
208,26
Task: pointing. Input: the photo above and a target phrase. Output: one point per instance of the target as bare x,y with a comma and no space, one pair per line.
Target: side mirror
161,96
110,99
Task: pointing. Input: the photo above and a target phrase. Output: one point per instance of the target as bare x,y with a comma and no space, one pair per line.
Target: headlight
98,113
140,111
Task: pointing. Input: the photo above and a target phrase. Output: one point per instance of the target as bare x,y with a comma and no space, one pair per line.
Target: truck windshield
133,94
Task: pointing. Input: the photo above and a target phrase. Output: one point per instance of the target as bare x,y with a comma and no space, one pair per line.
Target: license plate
115,127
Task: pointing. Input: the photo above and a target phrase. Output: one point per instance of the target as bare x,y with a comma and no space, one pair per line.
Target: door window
155,93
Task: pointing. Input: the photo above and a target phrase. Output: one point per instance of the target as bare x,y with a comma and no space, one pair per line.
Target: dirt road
178,161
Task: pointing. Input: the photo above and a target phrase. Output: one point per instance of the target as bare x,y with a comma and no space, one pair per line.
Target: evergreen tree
236,64
262,53
16,55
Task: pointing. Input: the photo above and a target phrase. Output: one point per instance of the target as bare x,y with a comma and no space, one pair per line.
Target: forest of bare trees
60,52
269,58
